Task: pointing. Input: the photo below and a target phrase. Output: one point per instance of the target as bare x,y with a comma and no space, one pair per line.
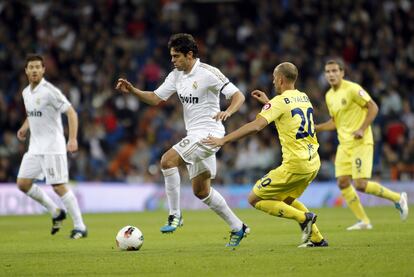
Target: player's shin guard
71,205
172,189
280,209
217,203
352,199
316,235
376,189
37,194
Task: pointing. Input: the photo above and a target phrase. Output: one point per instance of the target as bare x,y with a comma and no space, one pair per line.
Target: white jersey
199,92
44,106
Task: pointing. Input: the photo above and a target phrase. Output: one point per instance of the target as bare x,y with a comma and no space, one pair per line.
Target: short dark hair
183,43
288,70
339,62
34,57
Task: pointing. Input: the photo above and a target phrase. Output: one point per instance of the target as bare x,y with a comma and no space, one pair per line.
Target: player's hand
222,116
260,96
72,145
21,134
358,134
124,85
213,141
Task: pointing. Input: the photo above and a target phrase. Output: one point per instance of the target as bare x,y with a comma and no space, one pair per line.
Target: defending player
46,156
352,111
277,192
198,86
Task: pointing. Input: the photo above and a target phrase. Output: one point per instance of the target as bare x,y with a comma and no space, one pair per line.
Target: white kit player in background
198,87
46,156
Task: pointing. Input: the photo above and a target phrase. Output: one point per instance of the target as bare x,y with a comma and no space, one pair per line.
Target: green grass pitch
197,249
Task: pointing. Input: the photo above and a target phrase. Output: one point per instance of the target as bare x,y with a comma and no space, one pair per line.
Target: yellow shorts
355,161
279,184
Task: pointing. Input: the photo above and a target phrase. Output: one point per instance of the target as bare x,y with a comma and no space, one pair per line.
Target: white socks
37,194
217,203
172,189
71,205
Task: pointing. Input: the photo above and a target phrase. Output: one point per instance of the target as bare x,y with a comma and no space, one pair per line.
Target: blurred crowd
87,45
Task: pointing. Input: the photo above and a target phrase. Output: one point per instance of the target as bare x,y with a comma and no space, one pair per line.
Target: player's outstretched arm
260,96
236,101
326,126
22,132
73,130
148,97
252,127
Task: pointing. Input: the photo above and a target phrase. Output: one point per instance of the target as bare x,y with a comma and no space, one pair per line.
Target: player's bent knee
344,182
60,189
360,185
201,192
167,163
24,184
253,199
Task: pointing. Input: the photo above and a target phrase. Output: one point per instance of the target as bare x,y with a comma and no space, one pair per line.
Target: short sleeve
360,96
221,84
272,110
59,101
168,87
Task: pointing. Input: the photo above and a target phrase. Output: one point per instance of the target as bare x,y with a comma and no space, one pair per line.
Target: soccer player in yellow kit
352,111
277,192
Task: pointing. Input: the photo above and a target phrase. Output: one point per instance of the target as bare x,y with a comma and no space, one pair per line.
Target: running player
46,156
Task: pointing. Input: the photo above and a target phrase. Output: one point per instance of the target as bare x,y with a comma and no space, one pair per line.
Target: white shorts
199,157
54,167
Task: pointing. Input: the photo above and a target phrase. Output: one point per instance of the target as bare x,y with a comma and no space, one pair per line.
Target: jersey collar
38,86
196,64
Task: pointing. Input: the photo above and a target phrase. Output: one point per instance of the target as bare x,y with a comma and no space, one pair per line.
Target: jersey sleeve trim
224,86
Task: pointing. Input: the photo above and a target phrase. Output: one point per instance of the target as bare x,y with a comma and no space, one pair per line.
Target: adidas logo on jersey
34,113
188,99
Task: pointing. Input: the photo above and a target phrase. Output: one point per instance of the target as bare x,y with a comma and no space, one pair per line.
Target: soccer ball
129,238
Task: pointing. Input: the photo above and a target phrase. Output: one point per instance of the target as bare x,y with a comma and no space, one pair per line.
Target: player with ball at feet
276,193
198,86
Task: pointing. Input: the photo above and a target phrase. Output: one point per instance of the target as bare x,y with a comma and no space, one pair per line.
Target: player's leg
30,169
269,191
216,202
281,209
343,173
55,168
170,162
361,172
71,204
354,203
37,194
316,238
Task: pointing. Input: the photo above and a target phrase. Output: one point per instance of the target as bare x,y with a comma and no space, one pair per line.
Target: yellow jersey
292,113
346,106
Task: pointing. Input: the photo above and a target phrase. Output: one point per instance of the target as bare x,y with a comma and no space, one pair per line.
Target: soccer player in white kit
46,156
198,87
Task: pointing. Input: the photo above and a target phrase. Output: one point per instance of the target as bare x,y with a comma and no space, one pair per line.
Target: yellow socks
381,191
352,199
316,235
280,209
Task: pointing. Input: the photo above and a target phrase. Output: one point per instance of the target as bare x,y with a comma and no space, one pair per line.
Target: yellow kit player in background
277,192
352,111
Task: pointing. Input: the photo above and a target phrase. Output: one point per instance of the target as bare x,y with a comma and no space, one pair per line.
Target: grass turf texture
197,249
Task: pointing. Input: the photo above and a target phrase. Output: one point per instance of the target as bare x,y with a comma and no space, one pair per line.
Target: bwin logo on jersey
188,99
34,113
